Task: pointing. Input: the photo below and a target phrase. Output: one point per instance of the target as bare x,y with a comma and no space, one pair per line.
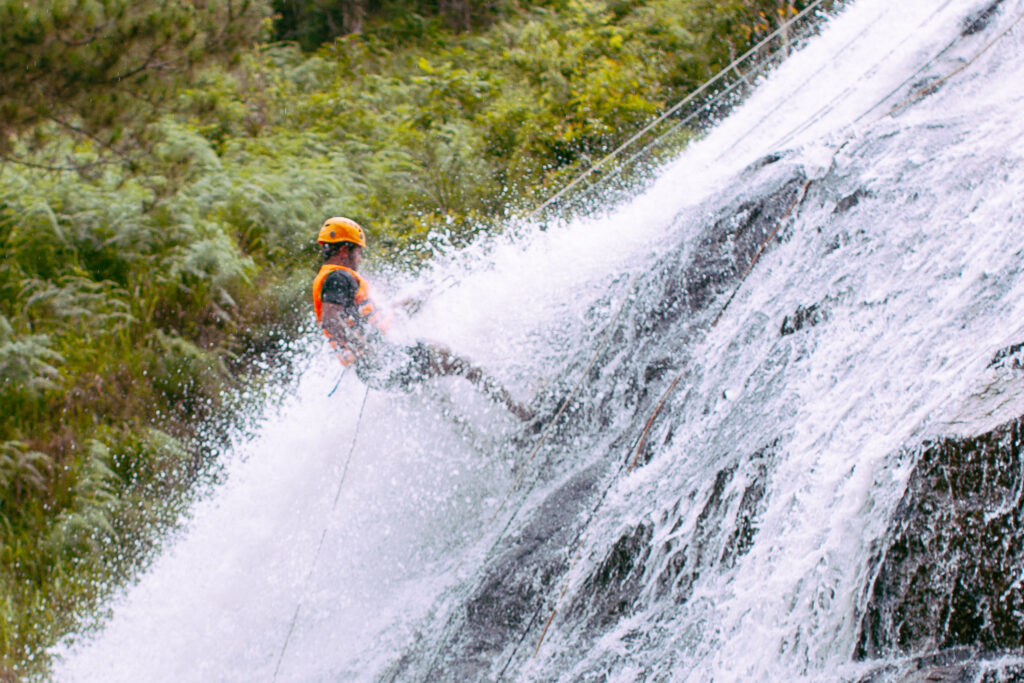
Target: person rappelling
358,326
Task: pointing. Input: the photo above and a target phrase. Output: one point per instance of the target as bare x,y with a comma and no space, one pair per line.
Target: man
357,326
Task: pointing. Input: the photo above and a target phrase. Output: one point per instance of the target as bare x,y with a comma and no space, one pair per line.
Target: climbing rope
932,87
323,535
650,421
337,382
563,406
782,30
909,100
637,448
914,96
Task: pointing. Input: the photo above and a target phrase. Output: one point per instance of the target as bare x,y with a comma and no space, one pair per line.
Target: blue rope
338,382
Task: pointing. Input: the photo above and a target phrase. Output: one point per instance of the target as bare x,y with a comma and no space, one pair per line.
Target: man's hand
410,305
336,323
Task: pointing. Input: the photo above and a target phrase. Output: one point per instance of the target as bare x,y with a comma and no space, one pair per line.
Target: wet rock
1011,357
722,254
687,556
1003,673
498,620
612,590
951,572
850,201
766,160
979,21
954,665
804,316
685,564
656,369
515,587
748,515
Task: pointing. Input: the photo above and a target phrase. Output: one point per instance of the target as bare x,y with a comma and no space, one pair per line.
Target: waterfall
779,413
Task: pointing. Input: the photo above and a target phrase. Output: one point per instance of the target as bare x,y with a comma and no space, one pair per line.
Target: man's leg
445,362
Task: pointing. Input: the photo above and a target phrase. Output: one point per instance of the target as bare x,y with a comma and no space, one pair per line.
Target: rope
830,105
932,87
781,30
743,278
323,535
803,190
707,106
338,382
641,441
650,421
917,94
579,542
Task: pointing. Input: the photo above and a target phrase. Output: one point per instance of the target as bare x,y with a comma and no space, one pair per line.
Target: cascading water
796,454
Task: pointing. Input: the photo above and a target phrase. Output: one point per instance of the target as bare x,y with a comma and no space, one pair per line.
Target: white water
928,280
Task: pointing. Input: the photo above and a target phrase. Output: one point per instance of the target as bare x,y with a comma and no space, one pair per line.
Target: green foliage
314,22
101,66
130,301
458,127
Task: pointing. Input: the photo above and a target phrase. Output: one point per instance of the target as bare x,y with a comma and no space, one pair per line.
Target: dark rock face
722,254
612,591
751,508
637,570
978,21
704,549
956,665
850,201
504,599
516,585
947,598
1011,357
952,573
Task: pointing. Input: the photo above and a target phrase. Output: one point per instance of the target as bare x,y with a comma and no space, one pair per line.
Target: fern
25,362
22,472
87,523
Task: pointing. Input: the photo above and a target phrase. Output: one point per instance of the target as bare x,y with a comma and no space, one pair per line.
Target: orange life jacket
367,310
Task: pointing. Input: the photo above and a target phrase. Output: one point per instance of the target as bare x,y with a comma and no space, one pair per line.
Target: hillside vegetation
164,167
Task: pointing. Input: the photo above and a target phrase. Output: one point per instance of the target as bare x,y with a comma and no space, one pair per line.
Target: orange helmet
338,229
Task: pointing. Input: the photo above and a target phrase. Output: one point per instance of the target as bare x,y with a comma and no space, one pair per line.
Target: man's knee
445,362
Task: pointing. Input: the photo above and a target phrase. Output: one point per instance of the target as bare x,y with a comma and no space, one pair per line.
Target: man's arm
339,316
334,322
